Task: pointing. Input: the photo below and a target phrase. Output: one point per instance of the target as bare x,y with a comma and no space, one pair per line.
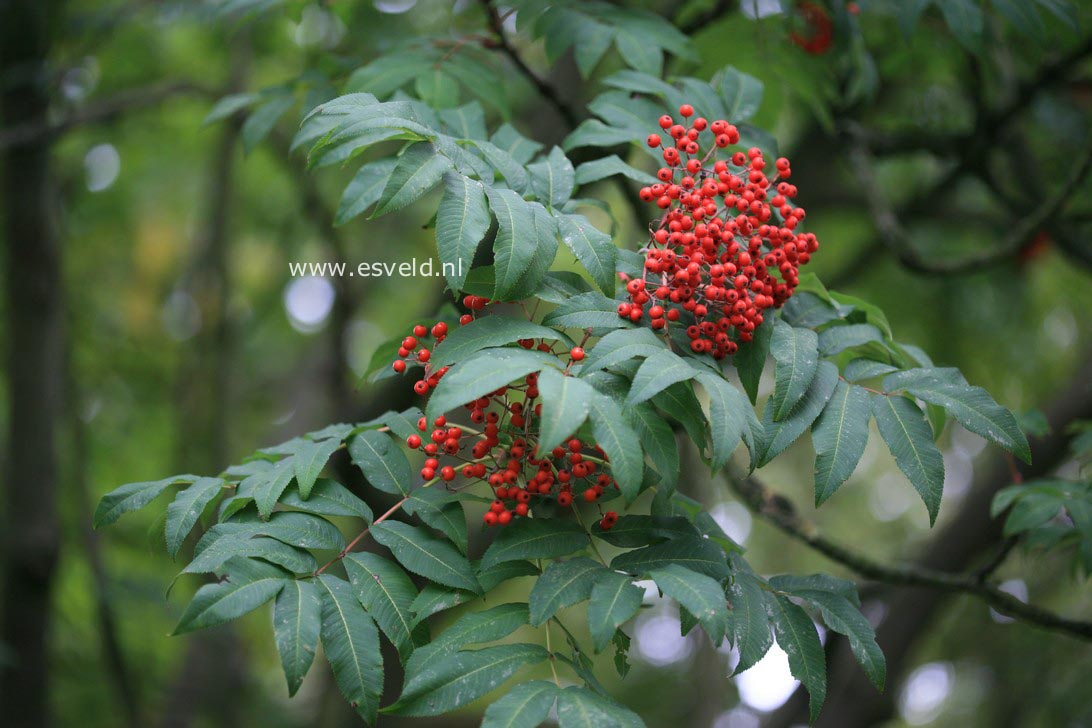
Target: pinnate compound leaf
186,508
702,597
463,677
796,353
132,497
525,706
488,332
387,594
839,436
797,636
566,403
485,372
248,584
616,437
776,436
534,538
910,440
562,584
426,555
614,601
462,221
297,622
581,708
418,170
695,553
382,462
350,642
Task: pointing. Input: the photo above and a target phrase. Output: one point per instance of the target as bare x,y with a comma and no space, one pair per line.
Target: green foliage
432,113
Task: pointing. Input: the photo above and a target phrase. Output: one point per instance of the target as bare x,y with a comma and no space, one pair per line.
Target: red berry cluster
726,247
504,452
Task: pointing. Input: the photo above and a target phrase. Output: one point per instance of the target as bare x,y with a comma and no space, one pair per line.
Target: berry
576,353
414,441
399,366
686,110
490,518
653,140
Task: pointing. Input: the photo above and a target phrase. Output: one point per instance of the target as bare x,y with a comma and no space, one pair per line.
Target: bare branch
780,511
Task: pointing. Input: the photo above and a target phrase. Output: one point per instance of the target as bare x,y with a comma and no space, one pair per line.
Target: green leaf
620,443
186,508
525,706
425,555
726,406
462,221
658,372
592,247
328,498
267,486
484,372
972,407
639,54
297,621
309,460
695,553
750,360
621,346
419,169
742,94
463,677
300,529
634,531
502,572
247,585
842,616
364,189
514,247
837,339
779,435
566,402
216,547
965,19
750,622
797,636
387,593
910,439
228,105
507,165
701,596
258,125
839,436
132,497
534,538
487,332
682,404
518,147
795,352
440,510
658,441
487,625
860,369
382,461
1023,17
581,708
598,169
591,310
350,642
553,178
563,584
614,601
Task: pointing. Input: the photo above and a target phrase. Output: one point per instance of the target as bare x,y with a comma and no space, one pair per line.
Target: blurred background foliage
188,345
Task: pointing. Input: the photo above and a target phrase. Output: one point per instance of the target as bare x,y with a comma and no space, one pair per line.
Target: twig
779,511
360,537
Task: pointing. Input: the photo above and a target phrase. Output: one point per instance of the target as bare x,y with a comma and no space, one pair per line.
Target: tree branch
894,236
99,111
779,510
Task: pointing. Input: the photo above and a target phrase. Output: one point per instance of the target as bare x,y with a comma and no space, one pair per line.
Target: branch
548,92
779,510
99,111
896,239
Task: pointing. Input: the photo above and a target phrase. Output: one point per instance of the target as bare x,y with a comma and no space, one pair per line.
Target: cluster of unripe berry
727,246
504,452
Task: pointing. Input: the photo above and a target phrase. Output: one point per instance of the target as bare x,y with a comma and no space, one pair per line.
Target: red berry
414,441
504,517
564,499
576,353
653,140
399,366
447,473
490,518
686,110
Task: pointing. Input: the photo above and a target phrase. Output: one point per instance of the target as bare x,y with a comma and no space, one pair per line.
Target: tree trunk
34,372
